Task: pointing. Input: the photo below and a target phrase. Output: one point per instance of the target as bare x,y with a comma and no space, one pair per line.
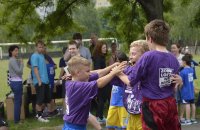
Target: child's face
84,73
135,54
184,63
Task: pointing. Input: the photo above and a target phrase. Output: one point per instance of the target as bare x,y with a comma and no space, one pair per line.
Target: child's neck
160,48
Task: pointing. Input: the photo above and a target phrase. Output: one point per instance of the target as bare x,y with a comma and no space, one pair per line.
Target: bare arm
177,80
124,78
36,72
103,72
101,82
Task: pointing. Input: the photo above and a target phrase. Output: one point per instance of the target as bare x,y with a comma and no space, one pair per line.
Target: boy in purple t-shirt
82,89
156,70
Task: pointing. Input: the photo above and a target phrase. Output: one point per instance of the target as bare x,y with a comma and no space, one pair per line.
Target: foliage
183,27
18,14
125,20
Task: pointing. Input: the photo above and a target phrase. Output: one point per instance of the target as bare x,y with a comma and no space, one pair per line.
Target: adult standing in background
93,42
16,70
176,50
84,51
99,62
40,80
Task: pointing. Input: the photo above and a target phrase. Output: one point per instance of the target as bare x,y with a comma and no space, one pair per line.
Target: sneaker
194,121
101,121
185,122
42,119
53,114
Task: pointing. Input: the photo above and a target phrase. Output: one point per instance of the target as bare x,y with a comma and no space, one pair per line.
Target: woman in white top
16,70
176,50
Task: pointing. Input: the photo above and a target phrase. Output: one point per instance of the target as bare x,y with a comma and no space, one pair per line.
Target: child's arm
101,82
177,80
103,72
124,78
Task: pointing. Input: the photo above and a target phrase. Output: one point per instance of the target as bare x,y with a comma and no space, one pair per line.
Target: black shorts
43,94
187,101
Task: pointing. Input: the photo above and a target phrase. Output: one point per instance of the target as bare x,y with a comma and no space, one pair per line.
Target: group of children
145,87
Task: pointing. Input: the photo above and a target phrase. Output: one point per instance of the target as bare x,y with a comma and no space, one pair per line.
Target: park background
22,22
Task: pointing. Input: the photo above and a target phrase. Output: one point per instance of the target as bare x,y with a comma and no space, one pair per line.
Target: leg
17,89
182,110
187,109
193,111
93,121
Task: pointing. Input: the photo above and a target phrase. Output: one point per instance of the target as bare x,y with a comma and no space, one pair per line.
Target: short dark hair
11,49
77,36
187,58
158,31
72,42
121,56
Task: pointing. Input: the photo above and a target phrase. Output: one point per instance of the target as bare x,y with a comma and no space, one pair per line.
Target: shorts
160,114
43,94
187,101
70,126
117,117
134,122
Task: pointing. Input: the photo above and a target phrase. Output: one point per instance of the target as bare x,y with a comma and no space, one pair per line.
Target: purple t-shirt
154,70
78,99
132,97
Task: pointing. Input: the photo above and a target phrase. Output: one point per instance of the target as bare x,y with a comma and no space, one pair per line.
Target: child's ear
77,72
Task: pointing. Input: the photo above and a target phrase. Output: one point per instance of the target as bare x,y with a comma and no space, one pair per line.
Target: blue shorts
187,101
70,126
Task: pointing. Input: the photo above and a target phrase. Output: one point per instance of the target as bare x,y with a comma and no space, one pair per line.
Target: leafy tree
56,22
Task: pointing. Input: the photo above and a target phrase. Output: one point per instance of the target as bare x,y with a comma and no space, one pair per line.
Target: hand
66,77
118,69
176,79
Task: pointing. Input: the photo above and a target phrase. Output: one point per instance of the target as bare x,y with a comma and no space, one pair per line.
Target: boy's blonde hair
142,44
76,63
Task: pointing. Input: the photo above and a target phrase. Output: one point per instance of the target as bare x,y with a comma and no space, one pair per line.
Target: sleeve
138,71
62,63
17,68
93,76
34,61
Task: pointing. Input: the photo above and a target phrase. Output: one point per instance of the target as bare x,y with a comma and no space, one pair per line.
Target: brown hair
158,31
97,49
178,46
76,63
39,42
142,44
72,42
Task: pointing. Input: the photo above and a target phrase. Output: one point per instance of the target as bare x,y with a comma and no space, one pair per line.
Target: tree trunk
152,8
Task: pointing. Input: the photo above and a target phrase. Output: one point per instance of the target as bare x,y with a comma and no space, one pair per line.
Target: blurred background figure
16,70
93,42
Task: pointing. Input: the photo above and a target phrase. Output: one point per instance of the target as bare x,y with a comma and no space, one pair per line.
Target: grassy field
31,123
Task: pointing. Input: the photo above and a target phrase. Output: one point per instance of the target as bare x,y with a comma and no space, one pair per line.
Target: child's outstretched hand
118,69
176,79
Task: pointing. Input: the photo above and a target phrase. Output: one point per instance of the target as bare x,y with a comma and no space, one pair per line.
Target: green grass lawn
31,123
